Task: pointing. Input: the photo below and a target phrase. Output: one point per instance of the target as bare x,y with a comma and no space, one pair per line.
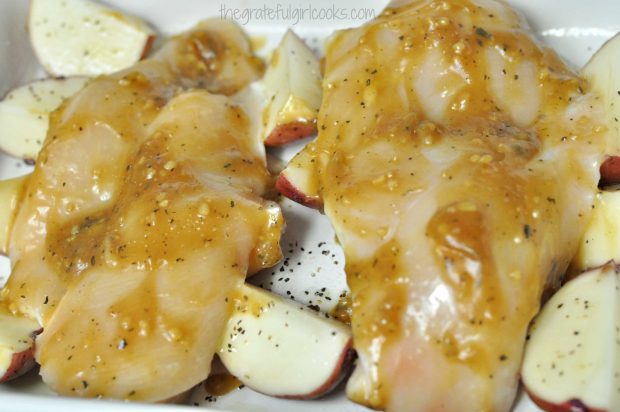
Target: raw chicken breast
457,160
144,214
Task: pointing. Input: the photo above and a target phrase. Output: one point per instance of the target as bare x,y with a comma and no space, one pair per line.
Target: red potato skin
574,405
287,133
21,362
610,171
341,372
147,46
288,189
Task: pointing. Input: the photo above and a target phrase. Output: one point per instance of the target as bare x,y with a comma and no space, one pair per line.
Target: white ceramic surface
575,28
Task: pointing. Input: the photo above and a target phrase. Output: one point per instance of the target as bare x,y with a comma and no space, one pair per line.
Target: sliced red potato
292,88
283,349
601,241
298,181
10,196
24,114
16,345
604,75
572,358
81,37
16,333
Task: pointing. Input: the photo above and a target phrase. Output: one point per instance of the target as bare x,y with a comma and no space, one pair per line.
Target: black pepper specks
312,272
483,33
526,231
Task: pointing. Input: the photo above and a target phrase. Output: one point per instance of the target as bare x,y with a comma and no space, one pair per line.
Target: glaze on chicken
457,160
143,216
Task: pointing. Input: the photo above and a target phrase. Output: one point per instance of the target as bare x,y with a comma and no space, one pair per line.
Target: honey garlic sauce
457,160
221,384
75,179
143,216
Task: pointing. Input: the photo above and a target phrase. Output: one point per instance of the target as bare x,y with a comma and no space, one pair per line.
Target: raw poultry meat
143,216
457,159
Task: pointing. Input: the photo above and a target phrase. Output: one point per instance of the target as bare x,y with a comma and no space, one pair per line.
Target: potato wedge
280,348
25,111
81,37
604,75
11,191
298,182
292,89
17,336
572,359
601,241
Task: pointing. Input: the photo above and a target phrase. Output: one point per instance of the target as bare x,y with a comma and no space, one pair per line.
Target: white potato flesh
604,75
573,351
25,111
280,348
10,194
601,241
292,86
81,37
297,183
